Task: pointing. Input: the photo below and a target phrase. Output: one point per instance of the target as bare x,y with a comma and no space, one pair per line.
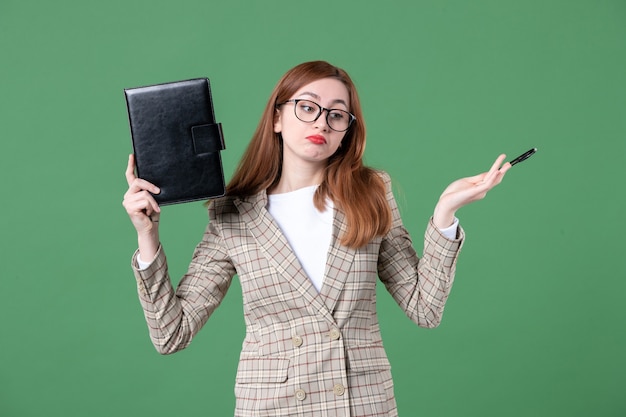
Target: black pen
523,156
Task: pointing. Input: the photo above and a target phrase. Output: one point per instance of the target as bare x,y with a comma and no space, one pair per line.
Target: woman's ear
278,127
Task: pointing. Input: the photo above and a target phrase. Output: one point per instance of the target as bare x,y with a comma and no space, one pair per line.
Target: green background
536,323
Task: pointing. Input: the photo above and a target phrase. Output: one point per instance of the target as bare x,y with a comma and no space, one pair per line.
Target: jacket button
334,334
297,341
339,389
300,395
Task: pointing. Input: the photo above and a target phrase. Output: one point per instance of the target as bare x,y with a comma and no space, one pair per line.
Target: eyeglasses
308,111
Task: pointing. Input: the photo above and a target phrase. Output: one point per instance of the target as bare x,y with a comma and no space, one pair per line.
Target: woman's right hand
143,210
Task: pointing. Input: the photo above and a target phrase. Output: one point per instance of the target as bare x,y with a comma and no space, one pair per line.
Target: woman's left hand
467,190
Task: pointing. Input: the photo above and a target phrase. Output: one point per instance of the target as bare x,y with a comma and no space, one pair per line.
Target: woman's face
312,142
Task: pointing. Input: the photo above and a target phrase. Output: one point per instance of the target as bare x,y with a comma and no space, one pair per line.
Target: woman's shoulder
230,207
383,175
220,207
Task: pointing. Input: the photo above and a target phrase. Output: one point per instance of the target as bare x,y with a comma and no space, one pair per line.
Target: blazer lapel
277,250
338,264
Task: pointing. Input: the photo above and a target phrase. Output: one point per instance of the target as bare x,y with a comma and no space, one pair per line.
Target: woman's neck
295,178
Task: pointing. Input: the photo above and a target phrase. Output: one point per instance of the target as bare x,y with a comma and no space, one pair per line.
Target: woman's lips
317,139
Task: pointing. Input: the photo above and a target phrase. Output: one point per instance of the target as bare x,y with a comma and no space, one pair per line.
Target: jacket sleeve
175,316
420,286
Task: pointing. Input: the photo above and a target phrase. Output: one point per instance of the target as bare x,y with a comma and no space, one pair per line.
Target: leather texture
176,140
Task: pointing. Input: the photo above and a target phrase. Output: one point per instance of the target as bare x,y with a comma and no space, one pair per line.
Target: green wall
536,323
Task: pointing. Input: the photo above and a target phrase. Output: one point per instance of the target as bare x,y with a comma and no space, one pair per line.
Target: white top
308,230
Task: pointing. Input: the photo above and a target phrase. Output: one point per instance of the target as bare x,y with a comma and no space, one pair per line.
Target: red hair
355,189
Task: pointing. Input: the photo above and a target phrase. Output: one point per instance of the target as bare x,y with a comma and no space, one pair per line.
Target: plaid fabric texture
305,353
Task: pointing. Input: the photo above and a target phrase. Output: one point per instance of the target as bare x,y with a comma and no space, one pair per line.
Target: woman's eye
308,107
337,115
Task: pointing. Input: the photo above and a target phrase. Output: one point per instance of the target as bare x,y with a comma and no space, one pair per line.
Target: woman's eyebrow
308,93
315,96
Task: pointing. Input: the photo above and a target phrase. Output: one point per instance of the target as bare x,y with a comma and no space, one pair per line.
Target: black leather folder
176,140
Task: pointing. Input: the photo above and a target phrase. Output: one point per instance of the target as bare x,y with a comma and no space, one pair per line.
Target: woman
308,229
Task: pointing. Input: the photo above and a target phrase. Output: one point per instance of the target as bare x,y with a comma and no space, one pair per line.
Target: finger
155,217
493,172
497,164
499,175
487,177
135,183
141,201
138,208
505,168
476,179
153,206
140,185
130,170
142,213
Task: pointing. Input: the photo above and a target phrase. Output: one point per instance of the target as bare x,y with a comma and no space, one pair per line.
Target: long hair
354,188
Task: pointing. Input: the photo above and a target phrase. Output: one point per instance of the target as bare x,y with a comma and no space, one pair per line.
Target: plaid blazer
305,353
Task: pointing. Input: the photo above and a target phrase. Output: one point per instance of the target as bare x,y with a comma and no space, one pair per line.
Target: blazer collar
338,263
253,211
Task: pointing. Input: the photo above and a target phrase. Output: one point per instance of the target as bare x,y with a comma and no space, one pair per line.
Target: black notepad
176,140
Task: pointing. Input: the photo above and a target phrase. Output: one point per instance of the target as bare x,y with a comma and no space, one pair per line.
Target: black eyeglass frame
322,109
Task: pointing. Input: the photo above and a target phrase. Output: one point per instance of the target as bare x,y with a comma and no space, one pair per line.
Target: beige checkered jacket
305,353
